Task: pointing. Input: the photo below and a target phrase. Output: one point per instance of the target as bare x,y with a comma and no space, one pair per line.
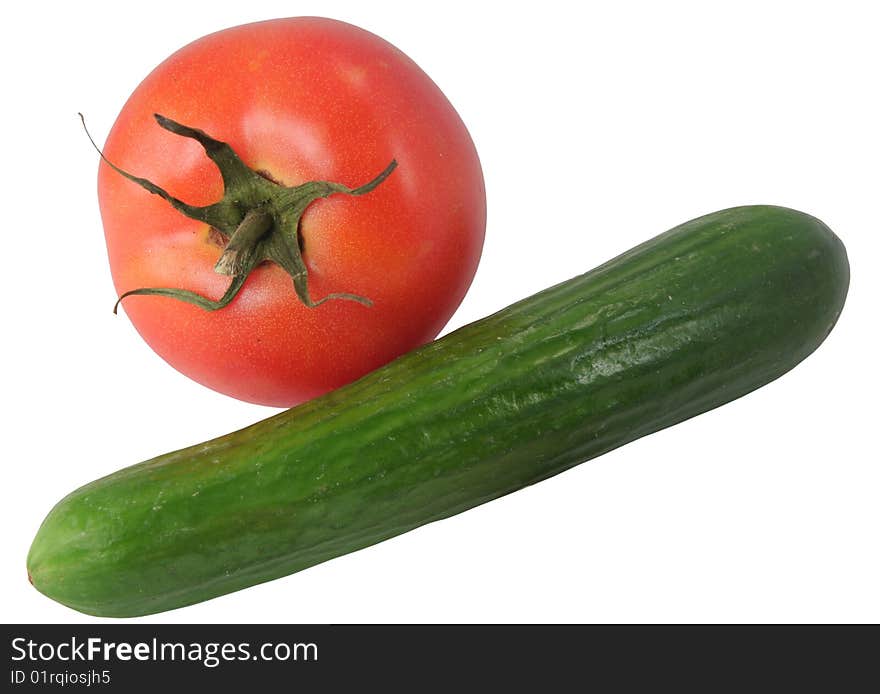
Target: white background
599,125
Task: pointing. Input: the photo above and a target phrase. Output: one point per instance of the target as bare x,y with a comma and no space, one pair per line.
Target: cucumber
683,323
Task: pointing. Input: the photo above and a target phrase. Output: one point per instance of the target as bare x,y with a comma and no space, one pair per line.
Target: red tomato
298,100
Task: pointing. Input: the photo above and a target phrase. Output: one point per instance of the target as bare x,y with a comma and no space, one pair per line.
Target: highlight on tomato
289,205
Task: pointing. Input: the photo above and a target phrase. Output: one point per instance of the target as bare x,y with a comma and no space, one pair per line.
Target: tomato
297,100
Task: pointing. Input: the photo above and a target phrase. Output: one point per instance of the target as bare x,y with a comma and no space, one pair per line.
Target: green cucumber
688,321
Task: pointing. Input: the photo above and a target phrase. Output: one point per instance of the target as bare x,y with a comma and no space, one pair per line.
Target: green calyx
257,219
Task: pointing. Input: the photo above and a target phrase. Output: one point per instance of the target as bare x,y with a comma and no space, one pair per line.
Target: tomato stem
257,218
241,250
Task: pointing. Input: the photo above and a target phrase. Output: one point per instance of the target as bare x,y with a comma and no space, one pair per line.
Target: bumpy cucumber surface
688,321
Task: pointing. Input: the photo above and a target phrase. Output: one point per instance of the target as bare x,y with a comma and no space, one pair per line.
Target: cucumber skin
683,323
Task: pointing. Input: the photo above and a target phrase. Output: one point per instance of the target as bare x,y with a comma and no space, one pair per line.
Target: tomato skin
300,99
